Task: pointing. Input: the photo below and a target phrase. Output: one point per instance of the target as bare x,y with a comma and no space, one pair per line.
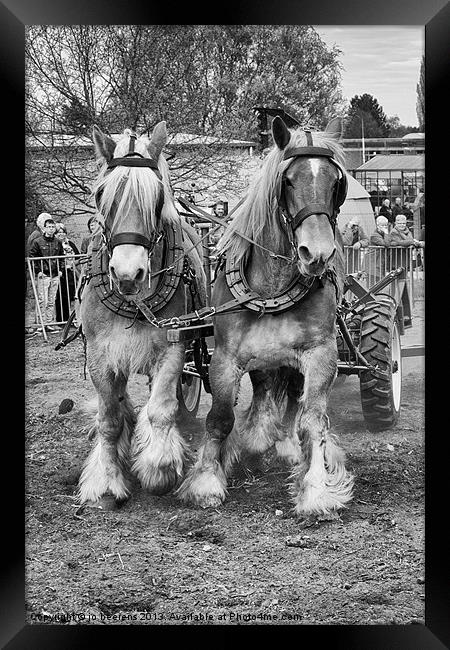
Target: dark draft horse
290,355
134,196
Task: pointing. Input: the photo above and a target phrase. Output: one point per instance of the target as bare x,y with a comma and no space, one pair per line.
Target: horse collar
239,287
173,259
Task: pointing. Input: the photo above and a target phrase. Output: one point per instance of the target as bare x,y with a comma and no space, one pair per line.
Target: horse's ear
280,132
335,127
104,145
158,140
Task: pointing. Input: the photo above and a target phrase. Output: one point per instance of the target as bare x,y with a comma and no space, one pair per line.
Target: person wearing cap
47,270
354,237
39,228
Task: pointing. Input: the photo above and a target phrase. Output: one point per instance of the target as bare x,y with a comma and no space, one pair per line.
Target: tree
397,129
204,80
420,105
366,107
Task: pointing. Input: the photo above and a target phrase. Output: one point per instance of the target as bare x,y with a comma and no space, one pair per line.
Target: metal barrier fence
374,262
52,288
54,280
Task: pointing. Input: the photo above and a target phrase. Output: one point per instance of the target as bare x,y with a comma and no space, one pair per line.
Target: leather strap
130,238
307,211
308,151
135,162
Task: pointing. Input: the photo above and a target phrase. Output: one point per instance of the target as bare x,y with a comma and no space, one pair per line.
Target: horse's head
313,186
130,195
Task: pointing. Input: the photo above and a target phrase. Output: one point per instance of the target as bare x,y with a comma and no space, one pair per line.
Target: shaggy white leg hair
326,486
158,452
205,484
260,425
289,449
103,475
103,471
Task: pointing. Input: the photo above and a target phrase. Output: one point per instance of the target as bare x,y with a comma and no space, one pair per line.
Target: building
63,168
358,150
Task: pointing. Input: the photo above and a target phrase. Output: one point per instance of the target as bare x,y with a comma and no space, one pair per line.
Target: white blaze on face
315,164
128,260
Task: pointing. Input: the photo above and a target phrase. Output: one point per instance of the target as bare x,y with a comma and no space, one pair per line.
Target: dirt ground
157,561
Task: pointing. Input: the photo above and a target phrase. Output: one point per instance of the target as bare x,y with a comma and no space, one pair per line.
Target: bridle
340,191
135,159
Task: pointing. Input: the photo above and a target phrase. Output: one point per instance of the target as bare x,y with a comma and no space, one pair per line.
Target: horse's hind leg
288,446
260,426
205,483
103,473
321,484
158,449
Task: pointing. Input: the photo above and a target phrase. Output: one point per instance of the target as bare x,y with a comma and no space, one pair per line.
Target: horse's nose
132,275
318,257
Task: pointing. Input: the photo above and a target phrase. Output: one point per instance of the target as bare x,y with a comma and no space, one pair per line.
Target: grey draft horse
295,259
131,267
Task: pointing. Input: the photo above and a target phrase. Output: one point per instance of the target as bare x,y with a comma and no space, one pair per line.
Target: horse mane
260,208
138,185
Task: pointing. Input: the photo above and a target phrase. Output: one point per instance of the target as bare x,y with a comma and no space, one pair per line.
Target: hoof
209,501
315,520
107,503
204,489
160,480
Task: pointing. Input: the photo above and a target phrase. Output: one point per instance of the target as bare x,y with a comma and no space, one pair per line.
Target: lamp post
362,139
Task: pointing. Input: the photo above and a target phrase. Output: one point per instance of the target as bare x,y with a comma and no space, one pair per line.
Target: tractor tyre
381,387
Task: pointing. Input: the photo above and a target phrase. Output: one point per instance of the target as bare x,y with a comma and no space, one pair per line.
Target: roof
357,204
177,139
414,136
355,189
397,162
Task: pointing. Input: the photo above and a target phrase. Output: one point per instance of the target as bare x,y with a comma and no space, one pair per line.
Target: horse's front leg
321,483
158,450
102,481
206,483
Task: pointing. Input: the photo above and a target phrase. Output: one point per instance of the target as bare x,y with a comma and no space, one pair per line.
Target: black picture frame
434,15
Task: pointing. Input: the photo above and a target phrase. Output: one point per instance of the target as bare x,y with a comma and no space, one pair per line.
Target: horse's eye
288,182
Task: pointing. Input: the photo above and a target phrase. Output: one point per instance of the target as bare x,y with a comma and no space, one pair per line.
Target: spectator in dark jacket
94,226
66,291
397,208
47,271
385,211
39,230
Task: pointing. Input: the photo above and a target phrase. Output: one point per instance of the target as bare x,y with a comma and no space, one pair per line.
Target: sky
381,60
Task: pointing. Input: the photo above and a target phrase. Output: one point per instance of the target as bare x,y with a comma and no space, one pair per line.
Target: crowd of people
56,275
388,243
